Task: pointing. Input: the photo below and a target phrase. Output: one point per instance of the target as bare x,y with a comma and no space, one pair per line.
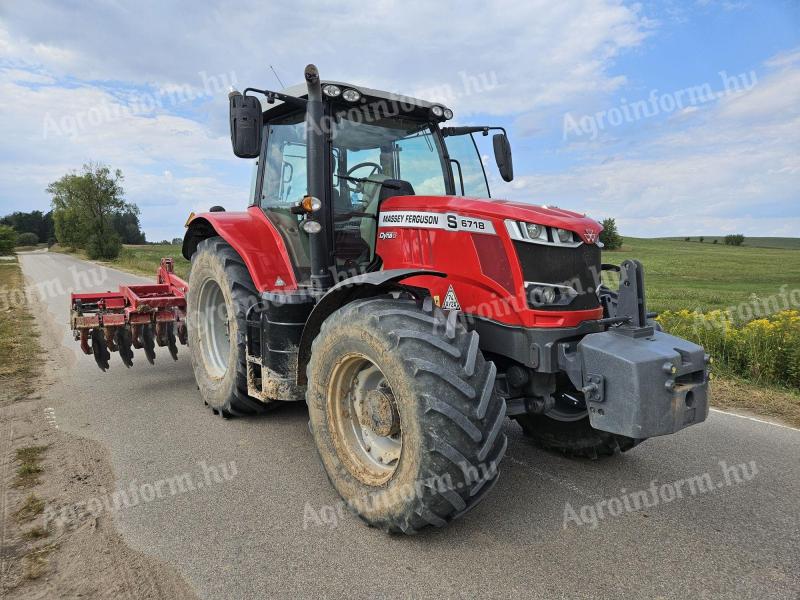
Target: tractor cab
377,145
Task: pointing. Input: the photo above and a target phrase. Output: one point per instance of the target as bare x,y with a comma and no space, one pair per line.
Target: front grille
578,268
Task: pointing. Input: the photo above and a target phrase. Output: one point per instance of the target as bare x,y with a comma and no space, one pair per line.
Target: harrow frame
138,316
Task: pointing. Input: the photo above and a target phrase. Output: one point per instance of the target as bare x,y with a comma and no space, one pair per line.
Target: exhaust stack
321,276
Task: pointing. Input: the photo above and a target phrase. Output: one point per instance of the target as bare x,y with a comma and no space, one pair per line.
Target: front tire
574,438
220,293
403,412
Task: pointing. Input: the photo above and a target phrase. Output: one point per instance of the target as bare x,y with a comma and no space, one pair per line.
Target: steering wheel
357,186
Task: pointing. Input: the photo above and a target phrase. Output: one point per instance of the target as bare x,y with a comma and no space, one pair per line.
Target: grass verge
678,275
18,340
736,394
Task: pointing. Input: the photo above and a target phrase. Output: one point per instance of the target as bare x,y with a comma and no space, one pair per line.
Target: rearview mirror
245,114
502,156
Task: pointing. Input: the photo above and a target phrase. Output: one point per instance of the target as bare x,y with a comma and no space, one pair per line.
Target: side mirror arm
272,96
482,129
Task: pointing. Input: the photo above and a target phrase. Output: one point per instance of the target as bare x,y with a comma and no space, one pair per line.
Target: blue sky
677,118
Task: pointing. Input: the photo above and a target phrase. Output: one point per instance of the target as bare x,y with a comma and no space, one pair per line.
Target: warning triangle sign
450,300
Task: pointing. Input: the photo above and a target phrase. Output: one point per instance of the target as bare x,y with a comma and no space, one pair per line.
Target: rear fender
254,238
346,291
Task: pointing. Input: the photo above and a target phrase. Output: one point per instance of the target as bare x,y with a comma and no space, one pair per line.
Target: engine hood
588,229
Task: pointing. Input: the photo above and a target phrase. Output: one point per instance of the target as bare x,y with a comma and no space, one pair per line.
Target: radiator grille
578,268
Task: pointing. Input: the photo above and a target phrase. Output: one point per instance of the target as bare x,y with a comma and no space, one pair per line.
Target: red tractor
372,276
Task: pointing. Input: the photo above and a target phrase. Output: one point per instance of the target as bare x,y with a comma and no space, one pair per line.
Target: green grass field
754,242
703,277
145,259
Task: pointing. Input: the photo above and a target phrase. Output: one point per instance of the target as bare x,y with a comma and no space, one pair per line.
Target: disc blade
124,342
171,341
100,349
149,343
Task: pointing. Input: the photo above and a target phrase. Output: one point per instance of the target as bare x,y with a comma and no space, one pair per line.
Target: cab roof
408,103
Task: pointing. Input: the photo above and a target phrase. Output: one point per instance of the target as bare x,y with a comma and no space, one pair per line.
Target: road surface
269,525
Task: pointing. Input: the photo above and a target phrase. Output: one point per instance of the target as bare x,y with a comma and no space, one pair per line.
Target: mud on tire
573,438
451,420
222,382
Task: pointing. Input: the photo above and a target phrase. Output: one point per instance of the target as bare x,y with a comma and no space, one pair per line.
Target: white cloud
46,133
66,68
541,52
714,165
730,168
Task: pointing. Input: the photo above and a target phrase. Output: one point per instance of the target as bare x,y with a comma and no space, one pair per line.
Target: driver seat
371,200
378,192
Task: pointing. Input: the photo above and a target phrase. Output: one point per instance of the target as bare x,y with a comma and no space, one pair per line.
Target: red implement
138,316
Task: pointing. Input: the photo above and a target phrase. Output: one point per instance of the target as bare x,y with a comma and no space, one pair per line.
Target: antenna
274,72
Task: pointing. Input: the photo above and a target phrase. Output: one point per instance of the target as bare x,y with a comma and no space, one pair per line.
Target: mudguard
254,238
347,290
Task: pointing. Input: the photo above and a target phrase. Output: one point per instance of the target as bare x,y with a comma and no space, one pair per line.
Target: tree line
88,212
735,239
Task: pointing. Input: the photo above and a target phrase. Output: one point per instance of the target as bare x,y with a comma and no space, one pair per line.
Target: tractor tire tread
239,403
462,425
574,439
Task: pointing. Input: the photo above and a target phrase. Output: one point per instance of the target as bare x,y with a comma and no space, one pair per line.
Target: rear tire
573,438
443,450
220,293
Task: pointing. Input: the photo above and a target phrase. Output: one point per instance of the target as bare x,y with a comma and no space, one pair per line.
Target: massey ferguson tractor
373,276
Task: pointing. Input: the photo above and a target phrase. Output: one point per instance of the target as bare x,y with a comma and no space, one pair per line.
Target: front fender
346,291
254,238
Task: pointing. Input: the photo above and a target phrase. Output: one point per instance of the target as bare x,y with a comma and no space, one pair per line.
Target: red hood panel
588,229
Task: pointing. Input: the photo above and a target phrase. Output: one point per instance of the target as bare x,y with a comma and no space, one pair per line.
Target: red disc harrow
136,316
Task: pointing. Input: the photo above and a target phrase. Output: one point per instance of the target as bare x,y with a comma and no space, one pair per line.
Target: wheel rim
567,408
363,420
213,328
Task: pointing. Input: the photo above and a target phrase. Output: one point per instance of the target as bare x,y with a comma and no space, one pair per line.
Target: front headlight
351,95
564,235
548,294
535,233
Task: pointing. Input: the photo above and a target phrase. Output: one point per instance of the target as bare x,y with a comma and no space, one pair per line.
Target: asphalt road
265,531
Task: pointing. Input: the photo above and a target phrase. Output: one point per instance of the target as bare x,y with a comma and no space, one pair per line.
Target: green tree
32,222
734,240
127,226
84,208
610,237
8,239
27,239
